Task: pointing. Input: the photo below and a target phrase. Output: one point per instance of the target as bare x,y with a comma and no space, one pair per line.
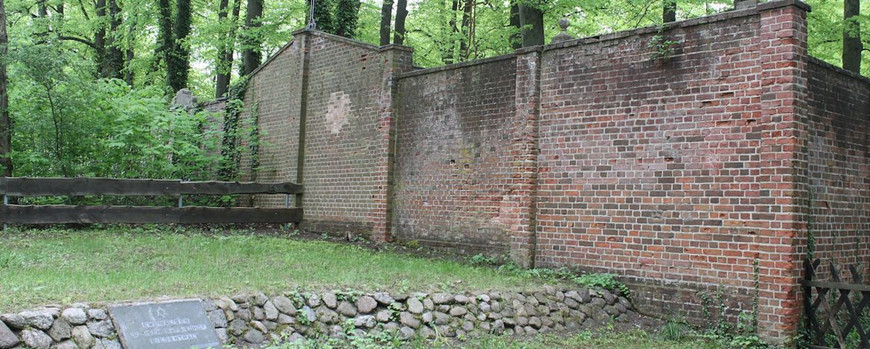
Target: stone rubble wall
253,320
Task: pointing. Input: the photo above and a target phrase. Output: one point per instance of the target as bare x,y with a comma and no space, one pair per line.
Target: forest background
85,85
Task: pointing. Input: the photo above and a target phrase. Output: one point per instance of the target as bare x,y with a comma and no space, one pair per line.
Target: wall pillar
783,46
395,59
521,200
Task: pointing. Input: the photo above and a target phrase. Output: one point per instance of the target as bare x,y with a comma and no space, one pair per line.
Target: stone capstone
41,319
75,316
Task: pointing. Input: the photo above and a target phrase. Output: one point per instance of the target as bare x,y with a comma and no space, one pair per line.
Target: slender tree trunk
669,11
532,23
113,63
5,125
386,21
100,37
852,45
467,32
516,38
222,76
165,38
251,51
179,63
401,15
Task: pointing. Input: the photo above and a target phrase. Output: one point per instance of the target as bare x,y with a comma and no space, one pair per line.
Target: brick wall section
344,142
783,44
689,173
274,95
653,168
454,167
839,165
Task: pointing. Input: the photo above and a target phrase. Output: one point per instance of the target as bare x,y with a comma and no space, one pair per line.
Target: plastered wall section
453,171
839,167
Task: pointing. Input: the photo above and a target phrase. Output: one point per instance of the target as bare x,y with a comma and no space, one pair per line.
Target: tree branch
77,39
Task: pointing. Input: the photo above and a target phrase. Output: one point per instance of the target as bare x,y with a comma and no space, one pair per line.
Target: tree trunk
386,19
401,15
346,17
113,62
467,29
669,11
225,59
100,38
5,125
852,45
222,72
165,38
323,16
516,38
179,58
532,23
251,50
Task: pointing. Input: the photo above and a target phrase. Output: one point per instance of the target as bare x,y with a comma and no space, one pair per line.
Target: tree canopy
94,76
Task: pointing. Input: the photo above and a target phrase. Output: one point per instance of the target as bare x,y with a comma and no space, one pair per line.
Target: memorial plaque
167,325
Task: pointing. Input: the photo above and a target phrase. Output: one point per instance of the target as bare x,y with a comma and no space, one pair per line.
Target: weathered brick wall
648,166
839,165
453,161
273,97
343,135
687,169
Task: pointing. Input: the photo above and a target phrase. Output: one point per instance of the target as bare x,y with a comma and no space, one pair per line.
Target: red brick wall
839,165
649,167
453,169
686,171
273,96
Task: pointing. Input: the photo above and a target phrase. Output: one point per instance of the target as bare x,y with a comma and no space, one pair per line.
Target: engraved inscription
170,325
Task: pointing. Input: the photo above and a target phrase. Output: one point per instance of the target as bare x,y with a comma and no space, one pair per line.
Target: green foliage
662,47
481,259
346,17
590,280
605,281
67,124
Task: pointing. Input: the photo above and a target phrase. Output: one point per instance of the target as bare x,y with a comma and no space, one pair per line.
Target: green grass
587,340
126,264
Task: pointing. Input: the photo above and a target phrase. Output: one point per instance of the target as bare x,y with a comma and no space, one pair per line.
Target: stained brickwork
453,174
839,164
273,98
649,165
693,159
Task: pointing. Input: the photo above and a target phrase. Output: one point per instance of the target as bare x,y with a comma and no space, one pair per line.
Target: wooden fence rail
51,214
838,313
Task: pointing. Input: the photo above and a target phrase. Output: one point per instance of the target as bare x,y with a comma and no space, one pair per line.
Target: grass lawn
121,264
603,339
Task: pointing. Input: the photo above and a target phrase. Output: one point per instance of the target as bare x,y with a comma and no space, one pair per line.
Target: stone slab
165,325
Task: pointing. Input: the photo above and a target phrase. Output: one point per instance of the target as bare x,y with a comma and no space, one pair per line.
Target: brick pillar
783,45
524,150
396,59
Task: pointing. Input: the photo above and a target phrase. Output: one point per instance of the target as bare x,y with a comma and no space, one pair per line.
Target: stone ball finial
563,36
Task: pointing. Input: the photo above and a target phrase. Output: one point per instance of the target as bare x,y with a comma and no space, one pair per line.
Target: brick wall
273,96
453,171
688,169
649,167
839,165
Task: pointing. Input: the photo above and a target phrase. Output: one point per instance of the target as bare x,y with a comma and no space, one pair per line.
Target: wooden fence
51,214
838,313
